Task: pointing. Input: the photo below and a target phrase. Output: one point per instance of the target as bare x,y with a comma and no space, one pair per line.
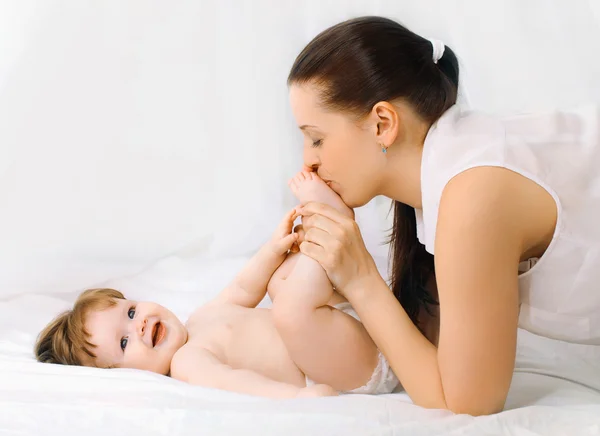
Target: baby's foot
307,186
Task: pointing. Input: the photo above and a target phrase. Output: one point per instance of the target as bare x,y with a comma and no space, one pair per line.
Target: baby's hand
283,238
300,231
317,391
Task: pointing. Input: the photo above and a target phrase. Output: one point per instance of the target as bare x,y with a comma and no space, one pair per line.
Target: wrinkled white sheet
556,388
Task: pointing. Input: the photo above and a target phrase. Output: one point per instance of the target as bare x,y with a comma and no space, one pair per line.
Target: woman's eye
317,143
131,313
124,343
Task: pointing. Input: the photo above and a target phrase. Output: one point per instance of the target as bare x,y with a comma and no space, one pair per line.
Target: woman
489,197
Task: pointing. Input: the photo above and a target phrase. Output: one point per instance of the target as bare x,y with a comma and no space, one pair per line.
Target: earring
383,148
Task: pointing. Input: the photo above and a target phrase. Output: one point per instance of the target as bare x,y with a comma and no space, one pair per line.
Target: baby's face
137,335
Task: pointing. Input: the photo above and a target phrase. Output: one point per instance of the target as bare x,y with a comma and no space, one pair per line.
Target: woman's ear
386,123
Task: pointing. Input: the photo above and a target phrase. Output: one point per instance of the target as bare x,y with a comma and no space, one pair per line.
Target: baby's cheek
138,359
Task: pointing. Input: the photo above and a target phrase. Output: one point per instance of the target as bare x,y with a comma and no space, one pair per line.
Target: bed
146,145
555,390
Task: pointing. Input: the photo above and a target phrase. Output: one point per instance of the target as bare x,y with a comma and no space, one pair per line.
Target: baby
310,343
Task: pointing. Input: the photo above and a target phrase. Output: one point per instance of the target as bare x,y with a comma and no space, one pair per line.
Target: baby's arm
250,285
201,367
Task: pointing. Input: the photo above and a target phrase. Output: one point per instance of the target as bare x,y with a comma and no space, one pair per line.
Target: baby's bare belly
247,339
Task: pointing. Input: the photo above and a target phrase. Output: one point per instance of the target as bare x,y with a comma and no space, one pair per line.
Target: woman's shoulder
459,125
459,121
529,144
460,139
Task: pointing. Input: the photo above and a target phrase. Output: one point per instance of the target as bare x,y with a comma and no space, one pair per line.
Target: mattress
555,390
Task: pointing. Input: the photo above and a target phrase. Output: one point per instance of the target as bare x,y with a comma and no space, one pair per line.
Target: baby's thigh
287,266
330,347
278,279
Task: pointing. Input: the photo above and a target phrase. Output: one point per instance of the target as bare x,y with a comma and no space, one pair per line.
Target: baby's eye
124,343
317,143
131,313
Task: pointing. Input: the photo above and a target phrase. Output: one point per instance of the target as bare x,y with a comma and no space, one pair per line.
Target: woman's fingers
334,241
325,250
319,222
332,247
314,251
314,208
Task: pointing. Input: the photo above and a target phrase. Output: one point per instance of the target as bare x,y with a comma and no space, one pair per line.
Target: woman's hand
334,240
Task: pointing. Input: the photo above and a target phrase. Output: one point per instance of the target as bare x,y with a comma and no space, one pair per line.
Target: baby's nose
142,326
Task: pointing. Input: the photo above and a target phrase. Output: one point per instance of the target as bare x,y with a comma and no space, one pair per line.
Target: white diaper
383,380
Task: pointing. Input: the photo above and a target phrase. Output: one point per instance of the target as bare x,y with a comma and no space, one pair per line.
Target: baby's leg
329,346
307,187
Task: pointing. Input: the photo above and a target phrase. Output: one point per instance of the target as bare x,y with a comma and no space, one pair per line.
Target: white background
130,129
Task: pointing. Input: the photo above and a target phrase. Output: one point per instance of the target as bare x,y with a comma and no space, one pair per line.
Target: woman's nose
310,158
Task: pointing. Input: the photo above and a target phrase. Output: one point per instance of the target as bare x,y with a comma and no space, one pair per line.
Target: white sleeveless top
559,293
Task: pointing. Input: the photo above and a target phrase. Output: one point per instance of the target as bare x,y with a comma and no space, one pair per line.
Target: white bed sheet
556,389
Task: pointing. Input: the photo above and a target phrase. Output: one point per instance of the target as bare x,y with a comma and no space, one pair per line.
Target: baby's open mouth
158,333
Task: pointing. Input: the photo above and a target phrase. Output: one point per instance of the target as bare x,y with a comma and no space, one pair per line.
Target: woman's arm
412,357
478,245
335,242
480,236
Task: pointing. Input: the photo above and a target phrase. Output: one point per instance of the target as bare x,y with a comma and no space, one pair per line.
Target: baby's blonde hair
65,340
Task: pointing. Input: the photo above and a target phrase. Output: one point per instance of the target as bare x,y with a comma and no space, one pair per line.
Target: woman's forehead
304,100
311,115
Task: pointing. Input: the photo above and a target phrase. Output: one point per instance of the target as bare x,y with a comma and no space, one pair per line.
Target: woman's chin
353,203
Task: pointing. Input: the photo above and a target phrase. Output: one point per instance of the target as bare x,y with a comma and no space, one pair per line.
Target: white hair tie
438,49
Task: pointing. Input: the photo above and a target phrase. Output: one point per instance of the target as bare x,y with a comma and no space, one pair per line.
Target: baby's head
106,330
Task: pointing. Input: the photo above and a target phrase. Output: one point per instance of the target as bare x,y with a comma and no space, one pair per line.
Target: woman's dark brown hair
360,62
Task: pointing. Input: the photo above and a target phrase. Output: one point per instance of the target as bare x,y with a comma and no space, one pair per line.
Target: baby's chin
161,368
158,363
